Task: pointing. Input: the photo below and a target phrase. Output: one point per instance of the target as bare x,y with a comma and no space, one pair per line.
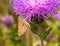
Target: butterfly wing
23,26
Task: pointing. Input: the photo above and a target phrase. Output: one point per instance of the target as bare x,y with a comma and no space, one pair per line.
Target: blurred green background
9,35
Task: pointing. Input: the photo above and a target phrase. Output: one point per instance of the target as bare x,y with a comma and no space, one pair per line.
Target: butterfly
23,26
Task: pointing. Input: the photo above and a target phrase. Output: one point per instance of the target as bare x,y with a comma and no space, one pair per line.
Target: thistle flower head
8,20
35,10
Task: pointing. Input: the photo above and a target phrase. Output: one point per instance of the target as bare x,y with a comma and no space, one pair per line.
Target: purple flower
35,10
8,20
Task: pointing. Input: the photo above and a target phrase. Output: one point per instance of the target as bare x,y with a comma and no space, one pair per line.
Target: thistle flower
35,10
8,20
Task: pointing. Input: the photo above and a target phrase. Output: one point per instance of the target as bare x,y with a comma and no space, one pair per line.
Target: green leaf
46,34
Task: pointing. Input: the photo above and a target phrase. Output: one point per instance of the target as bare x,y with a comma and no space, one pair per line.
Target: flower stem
40,36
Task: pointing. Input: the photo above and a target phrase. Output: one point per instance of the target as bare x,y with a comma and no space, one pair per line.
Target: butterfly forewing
23,26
